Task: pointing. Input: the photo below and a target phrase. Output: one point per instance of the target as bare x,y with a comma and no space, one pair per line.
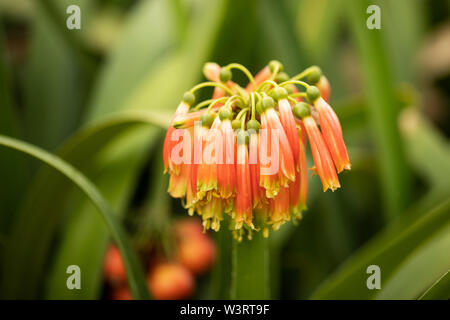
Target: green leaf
440,290
406,24
134,272
47,197
427,149
396,250
53,84
13,168
147,38
429,154
383,110
316,26
72,248
418,271
282,42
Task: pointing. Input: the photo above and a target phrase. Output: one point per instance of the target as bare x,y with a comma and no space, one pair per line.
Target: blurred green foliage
98,97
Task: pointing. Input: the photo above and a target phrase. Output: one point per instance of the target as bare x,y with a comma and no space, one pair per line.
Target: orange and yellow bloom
242,153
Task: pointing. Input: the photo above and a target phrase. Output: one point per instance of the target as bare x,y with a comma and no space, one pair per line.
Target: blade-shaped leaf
418,271
388,250
383,110
41,213
134,271
440,290
53,84
13,167
145,41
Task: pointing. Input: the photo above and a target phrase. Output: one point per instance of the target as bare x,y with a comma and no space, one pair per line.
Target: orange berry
188,227
197,254
170,281
114,269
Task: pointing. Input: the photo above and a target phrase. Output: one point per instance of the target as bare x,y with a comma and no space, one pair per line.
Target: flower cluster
242,152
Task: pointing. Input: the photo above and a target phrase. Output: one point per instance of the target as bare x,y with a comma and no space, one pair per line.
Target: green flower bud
189,98
273,66
279,93
259,107
290,89
314,75
225,113
207,119
225,75
302,110
312,93
267,102
281,77
236,124
253,125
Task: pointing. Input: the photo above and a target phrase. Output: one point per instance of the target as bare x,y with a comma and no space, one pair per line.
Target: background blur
390,88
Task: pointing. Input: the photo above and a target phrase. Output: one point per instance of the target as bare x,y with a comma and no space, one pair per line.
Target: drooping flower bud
324,88
275,65
225,75
332,133
312,94
314,75
323,163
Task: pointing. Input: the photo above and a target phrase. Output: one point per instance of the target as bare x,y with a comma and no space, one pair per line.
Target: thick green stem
250,268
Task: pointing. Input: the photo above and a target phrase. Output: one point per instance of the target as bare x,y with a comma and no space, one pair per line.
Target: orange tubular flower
212,213
254,166
322,159
196,158
207,169
287,173
301,205
299,189
247,159
179,167
211,71
324,87
182,109
226,171
288,122
332,132
178,184
268,178
243,201
279,208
